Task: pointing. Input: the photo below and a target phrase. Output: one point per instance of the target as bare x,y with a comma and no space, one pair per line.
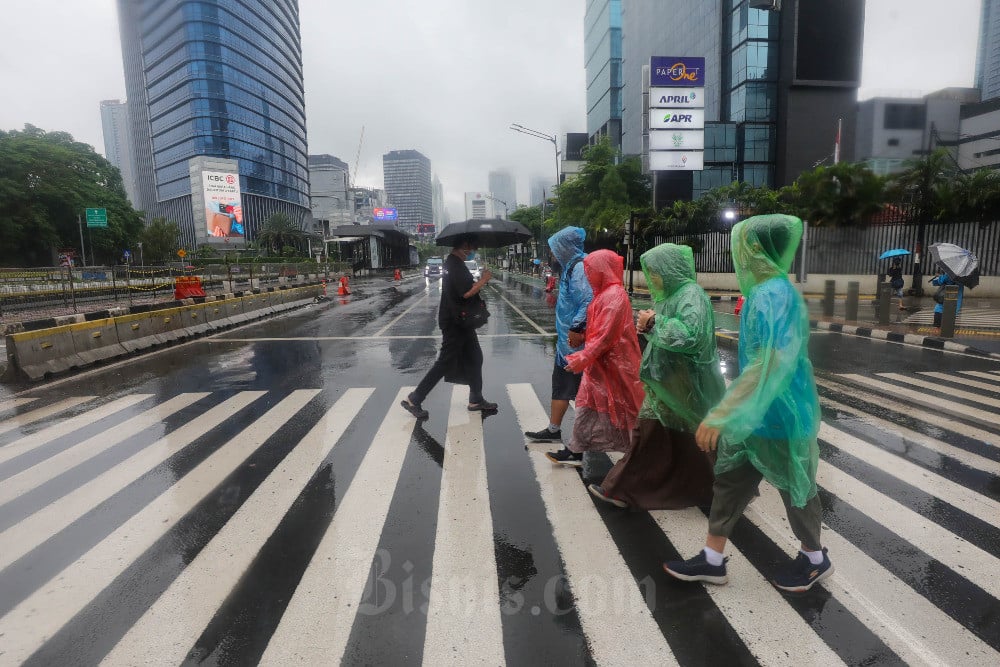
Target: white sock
712,556
553,428
815,557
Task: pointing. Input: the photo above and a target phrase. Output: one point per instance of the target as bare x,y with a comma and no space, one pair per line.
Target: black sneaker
483,406
697,569
598,492
566,458
414,408
802,574
545,435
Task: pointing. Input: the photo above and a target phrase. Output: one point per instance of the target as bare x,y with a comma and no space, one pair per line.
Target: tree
923,183
842,195
47,179
278,232
159,240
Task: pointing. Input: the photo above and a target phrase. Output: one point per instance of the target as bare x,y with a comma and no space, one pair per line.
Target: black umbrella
490,233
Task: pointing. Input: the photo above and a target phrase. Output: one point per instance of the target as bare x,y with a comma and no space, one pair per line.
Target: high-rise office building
216,113
602,43
407,176
539,187
988,55
329,185
437,204
118,143
504,187
481,205
776,83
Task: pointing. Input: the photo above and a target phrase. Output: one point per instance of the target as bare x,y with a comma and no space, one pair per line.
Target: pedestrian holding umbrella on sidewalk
958,267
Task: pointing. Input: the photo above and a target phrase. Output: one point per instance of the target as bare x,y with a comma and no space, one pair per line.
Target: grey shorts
564,384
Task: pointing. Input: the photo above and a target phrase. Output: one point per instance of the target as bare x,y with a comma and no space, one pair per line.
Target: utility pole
83,252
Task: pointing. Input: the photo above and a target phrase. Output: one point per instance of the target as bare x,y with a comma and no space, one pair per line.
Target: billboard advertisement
223,208
686,72
676,160
677,140
385,214
676,119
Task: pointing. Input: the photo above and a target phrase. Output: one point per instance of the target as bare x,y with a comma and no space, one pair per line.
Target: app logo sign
671,98
677,72
676,160
673,140
676,119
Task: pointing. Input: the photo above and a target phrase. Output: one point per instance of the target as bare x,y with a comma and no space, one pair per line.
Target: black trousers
460,360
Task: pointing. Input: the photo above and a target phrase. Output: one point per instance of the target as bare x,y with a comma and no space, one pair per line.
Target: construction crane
357,158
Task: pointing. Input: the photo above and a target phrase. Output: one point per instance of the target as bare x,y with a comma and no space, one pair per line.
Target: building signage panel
667,98
676,119
223,208
676,160
677,140
679,72
382,214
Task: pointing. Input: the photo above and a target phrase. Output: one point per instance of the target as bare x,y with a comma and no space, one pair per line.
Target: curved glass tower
215,87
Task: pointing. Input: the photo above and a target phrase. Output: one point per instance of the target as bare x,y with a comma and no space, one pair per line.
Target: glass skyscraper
216,79
603,54
988,55
407,176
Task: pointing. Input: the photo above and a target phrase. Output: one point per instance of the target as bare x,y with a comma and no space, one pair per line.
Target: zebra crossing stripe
464,597
616,621
26,628
965,382
47,435
935,402
21,538
16,403
966,559
906,621
956,495
18,421
958,393
169,628
316,624
981,374
934,419
73,456
748,598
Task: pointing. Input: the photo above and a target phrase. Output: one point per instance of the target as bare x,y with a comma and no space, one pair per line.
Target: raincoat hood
673,265
763,248
604,269
567,244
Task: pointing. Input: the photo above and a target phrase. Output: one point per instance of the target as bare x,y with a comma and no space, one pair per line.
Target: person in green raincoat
766,424
665,469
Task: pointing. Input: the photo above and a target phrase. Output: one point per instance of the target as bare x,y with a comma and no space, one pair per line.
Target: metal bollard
829,293
851,311
950,311
884,301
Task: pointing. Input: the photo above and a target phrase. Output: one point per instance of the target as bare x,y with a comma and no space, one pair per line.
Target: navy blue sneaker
802,574
697,569
566,457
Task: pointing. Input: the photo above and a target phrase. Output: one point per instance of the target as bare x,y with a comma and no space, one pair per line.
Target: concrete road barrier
96,340
138,332
169,324
195,319
44,352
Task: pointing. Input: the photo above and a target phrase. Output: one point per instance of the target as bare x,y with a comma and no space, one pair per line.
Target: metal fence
854,251
27,294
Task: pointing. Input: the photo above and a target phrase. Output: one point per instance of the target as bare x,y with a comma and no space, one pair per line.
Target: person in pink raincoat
610,395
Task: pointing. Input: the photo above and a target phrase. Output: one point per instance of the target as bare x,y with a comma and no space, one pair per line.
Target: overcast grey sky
446,77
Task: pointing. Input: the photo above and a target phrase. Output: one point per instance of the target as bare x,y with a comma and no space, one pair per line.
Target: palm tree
280,231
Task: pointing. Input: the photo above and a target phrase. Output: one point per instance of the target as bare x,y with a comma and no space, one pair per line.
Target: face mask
471,254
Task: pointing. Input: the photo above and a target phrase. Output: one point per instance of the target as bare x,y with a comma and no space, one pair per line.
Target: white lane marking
38,617
464,597
986,376
401,315
966,559
936,403
909,436
916,630
956,495
950,391
47,435
520,312
965,382
932,418
367,338
748,598
18,421
316,625
32,531
87,449
16,403
168,629
618,625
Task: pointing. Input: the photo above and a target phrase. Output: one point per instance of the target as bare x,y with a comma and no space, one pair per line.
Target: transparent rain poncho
680,366
610,358
769,416
575,292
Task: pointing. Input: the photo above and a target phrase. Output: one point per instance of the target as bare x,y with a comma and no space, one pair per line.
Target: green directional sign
97,217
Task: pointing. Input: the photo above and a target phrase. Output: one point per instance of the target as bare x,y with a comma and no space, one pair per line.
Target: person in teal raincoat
766,424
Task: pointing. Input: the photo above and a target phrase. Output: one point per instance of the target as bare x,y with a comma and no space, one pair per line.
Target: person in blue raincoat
575,294
942,280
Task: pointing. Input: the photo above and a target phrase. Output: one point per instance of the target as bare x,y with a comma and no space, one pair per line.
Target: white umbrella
960,264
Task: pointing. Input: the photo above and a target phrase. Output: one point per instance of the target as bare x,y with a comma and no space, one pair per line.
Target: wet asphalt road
910,479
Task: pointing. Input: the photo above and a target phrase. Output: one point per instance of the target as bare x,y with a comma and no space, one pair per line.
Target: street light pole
540,135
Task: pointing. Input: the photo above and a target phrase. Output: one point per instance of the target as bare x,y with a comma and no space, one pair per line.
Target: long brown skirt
664,470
